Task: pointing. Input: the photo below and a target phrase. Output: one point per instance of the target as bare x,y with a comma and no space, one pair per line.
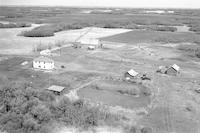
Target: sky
108,3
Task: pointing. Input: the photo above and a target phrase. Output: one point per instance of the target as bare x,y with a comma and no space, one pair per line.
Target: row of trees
49,30
15,25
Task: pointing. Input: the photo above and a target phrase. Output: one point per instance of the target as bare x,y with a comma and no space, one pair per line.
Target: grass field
133,37
111,93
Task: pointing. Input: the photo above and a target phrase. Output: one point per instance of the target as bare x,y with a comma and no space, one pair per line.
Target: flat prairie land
138,36
12,43
165,103
116,93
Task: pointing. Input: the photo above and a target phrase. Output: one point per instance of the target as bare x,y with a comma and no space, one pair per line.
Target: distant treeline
49,30
15,25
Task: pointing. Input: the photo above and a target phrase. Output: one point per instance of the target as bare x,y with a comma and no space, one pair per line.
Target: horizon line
71,6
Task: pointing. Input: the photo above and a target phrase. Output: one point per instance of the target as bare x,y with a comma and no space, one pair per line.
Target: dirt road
72,95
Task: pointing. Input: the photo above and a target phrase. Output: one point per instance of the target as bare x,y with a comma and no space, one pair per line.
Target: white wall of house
43,65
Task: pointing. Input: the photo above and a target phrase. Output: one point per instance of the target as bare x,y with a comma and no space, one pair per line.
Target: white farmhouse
43,63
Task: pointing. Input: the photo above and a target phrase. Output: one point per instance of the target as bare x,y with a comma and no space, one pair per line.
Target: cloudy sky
109,3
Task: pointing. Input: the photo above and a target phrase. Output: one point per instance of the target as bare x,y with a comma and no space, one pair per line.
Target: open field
116,93
82,66
12,43
153,36
163,103
148,55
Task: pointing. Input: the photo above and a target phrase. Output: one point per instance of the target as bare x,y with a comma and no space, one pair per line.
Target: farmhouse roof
133,73
91,47
43,59
56,88
175,67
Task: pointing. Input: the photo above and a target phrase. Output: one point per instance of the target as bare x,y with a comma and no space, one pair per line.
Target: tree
146,130
30,124
41,113
197,53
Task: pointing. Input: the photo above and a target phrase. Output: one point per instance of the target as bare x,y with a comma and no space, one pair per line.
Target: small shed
91,47
173,70
131,74
46,52
44,63
56,89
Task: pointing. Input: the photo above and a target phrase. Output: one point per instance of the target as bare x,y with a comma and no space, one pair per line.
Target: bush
195,27
11,122
23,24
46,96
41,113
146,130
38,33
30,125
146,91
133,129
49,30
40,47
111,25
133,91
162,28
197,53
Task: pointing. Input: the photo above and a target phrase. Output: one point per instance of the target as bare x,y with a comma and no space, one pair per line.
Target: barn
173,70
131,74
43,63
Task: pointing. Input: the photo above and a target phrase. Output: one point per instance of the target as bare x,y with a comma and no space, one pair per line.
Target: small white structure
46,52
131,74
176,67
24,63
170,11
173,70
43,63
56,89
91,47
92,41
155,11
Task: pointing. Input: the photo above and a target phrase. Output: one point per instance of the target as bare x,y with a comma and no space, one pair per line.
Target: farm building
46,52
92,41
131,74
43,63
162,69
173,70
91,47
56,89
